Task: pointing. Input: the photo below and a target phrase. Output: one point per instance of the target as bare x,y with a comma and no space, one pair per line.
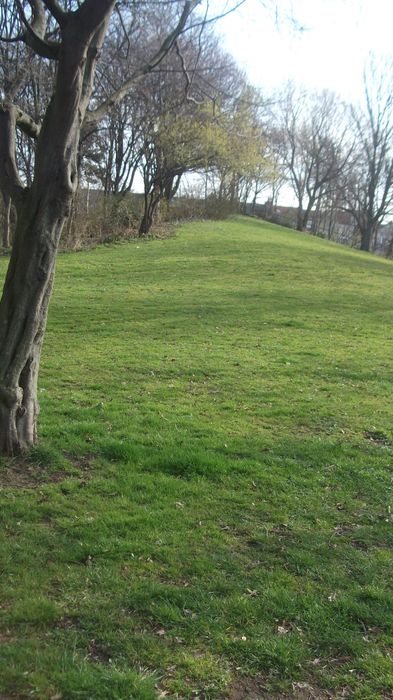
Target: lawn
209,511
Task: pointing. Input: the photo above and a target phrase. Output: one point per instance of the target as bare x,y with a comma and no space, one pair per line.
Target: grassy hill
208,513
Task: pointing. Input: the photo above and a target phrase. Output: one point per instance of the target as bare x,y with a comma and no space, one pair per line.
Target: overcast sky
328,51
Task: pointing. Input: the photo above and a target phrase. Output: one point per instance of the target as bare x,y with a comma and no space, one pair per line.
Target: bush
98,218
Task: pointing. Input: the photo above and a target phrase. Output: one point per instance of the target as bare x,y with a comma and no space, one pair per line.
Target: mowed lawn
209,511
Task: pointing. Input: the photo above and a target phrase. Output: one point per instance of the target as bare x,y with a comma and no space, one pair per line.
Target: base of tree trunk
18,421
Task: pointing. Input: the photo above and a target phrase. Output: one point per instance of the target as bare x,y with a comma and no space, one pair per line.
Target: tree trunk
23,314
172,184
299,220
41,213
254,203
152,202
6,237
366,235
306,215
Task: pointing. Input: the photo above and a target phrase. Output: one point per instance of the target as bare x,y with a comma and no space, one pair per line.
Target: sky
328,50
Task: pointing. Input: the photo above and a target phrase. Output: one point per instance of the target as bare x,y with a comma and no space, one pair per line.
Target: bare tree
312,144
368,188
71,35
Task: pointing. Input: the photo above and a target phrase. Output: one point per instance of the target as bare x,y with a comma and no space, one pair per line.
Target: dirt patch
256,689
97,653
358,544
67,623
378,437
22,474
6,639
81,462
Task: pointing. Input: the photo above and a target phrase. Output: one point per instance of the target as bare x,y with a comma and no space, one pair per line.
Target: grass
208,512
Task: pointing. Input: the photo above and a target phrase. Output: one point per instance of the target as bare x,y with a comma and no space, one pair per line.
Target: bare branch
127,38
186,75
100,112
9,177
26,124
35,31
13,39
55,10
210,20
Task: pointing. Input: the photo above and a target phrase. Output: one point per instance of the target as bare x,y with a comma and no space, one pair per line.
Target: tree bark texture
6,234
23,314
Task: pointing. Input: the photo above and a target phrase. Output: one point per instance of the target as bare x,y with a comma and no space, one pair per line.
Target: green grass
210,501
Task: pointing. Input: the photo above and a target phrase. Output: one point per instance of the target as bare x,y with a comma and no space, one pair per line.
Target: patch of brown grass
22,474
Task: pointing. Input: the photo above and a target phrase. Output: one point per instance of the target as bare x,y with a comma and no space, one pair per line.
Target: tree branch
56,11
91,13
12,39
35,31
10,182
99,113
26,123
186,75
210,20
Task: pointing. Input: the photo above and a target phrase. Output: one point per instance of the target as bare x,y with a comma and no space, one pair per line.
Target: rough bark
23,314
42,212
6,233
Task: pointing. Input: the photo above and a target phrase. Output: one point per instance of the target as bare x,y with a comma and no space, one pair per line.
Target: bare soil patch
255,689
22,474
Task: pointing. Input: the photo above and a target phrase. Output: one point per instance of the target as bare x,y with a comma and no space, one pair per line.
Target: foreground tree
72,35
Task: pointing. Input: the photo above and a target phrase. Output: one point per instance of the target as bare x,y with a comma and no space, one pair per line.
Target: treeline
194,114
338,159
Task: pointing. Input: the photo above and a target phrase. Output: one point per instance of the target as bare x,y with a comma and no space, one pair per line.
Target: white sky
328,53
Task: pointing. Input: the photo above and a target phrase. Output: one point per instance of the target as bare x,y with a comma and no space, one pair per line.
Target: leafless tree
368,188
313,145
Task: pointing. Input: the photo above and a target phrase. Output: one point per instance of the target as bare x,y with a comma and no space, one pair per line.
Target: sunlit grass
210,499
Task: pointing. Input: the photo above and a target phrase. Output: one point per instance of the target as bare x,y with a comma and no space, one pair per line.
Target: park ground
209,511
